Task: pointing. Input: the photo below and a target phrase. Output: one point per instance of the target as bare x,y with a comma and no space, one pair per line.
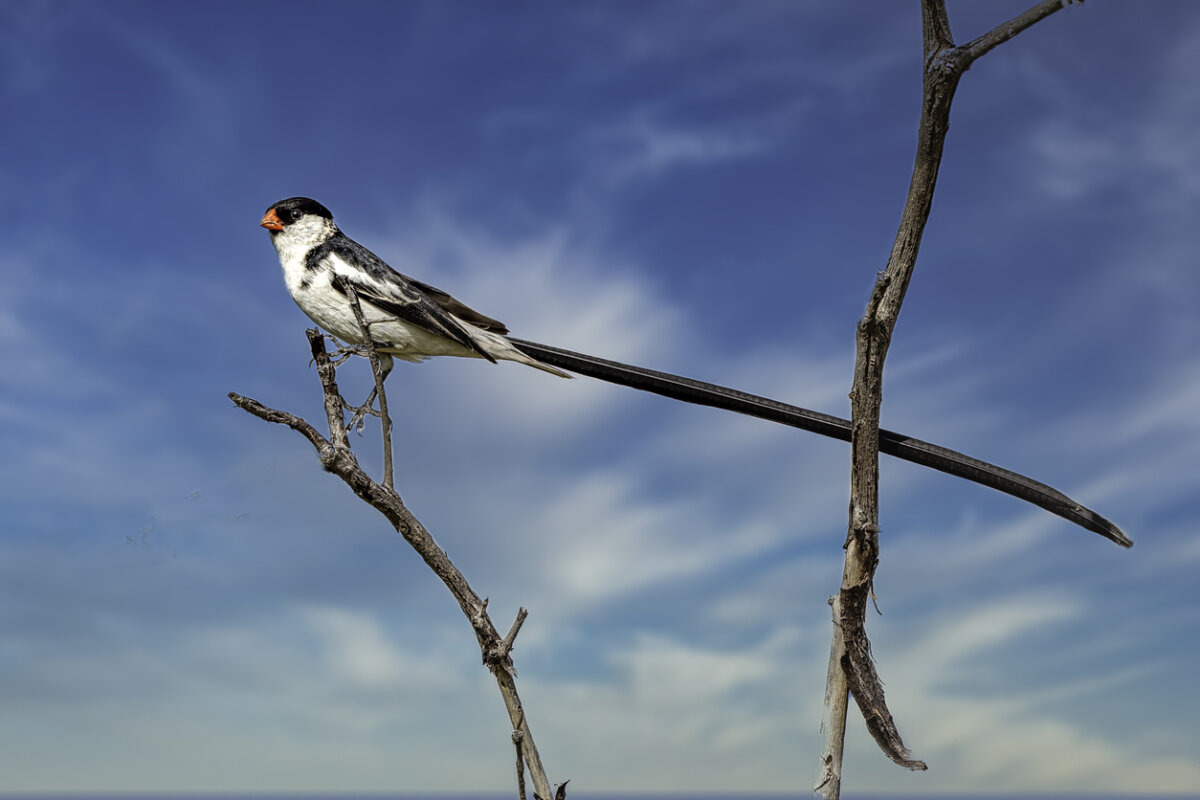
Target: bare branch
281,417
1007,30
944,66
517,736
506,645
333,398
935,27
336,457
836,706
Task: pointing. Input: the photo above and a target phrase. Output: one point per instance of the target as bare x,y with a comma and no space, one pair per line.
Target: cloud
756,45
715,718
1014,739
235,706
550,286
201,102
1081,149
606,540
356,650
973,632
641,148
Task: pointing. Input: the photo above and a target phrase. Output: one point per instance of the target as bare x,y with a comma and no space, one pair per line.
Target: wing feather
461,309
408,300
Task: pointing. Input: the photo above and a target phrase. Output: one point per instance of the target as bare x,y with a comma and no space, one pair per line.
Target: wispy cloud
1082,149
1007,741
643,148
201,102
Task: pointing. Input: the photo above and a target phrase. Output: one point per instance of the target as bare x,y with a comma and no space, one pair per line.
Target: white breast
313,292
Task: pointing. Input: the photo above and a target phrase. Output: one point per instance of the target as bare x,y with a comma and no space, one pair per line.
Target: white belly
330,309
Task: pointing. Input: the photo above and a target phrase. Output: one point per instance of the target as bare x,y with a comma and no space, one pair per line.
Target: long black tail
894,444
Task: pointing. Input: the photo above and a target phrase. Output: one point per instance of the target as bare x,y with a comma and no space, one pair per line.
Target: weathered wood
851,649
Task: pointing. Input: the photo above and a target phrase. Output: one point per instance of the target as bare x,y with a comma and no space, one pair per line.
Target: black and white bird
407,319
413,321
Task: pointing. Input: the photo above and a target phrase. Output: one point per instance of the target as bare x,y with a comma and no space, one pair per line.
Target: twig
327,372
1007,30
836,706
336,457
944,66
517,736
506,644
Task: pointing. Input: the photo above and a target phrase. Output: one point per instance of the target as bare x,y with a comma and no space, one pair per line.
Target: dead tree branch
336,456
851,666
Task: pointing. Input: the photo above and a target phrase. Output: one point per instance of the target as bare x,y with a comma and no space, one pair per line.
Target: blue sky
188,603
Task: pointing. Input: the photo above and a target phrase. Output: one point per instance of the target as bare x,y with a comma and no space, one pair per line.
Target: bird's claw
344,352
340,354
358,420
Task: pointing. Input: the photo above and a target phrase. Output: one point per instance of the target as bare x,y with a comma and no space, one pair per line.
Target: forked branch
852,668
336,457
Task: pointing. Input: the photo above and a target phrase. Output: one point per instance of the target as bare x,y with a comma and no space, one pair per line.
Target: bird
413,321
407,319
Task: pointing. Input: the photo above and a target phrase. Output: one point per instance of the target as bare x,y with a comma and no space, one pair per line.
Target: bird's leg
358,420
340,354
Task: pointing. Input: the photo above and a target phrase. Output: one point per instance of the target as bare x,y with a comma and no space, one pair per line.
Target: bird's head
299,218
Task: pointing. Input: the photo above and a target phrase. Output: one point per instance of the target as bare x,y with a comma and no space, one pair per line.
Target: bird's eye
295,214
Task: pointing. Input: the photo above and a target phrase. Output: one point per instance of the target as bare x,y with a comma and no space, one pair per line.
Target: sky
188,603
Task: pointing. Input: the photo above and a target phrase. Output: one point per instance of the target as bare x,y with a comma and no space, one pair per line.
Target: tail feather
499,347
894,444
521,358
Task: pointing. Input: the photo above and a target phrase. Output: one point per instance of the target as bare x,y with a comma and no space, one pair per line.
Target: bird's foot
344,352
358,420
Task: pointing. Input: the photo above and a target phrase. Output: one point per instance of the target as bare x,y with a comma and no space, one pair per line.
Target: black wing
378,284
460,309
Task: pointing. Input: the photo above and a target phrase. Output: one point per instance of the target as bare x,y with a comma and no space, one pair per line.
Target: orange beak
271,221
